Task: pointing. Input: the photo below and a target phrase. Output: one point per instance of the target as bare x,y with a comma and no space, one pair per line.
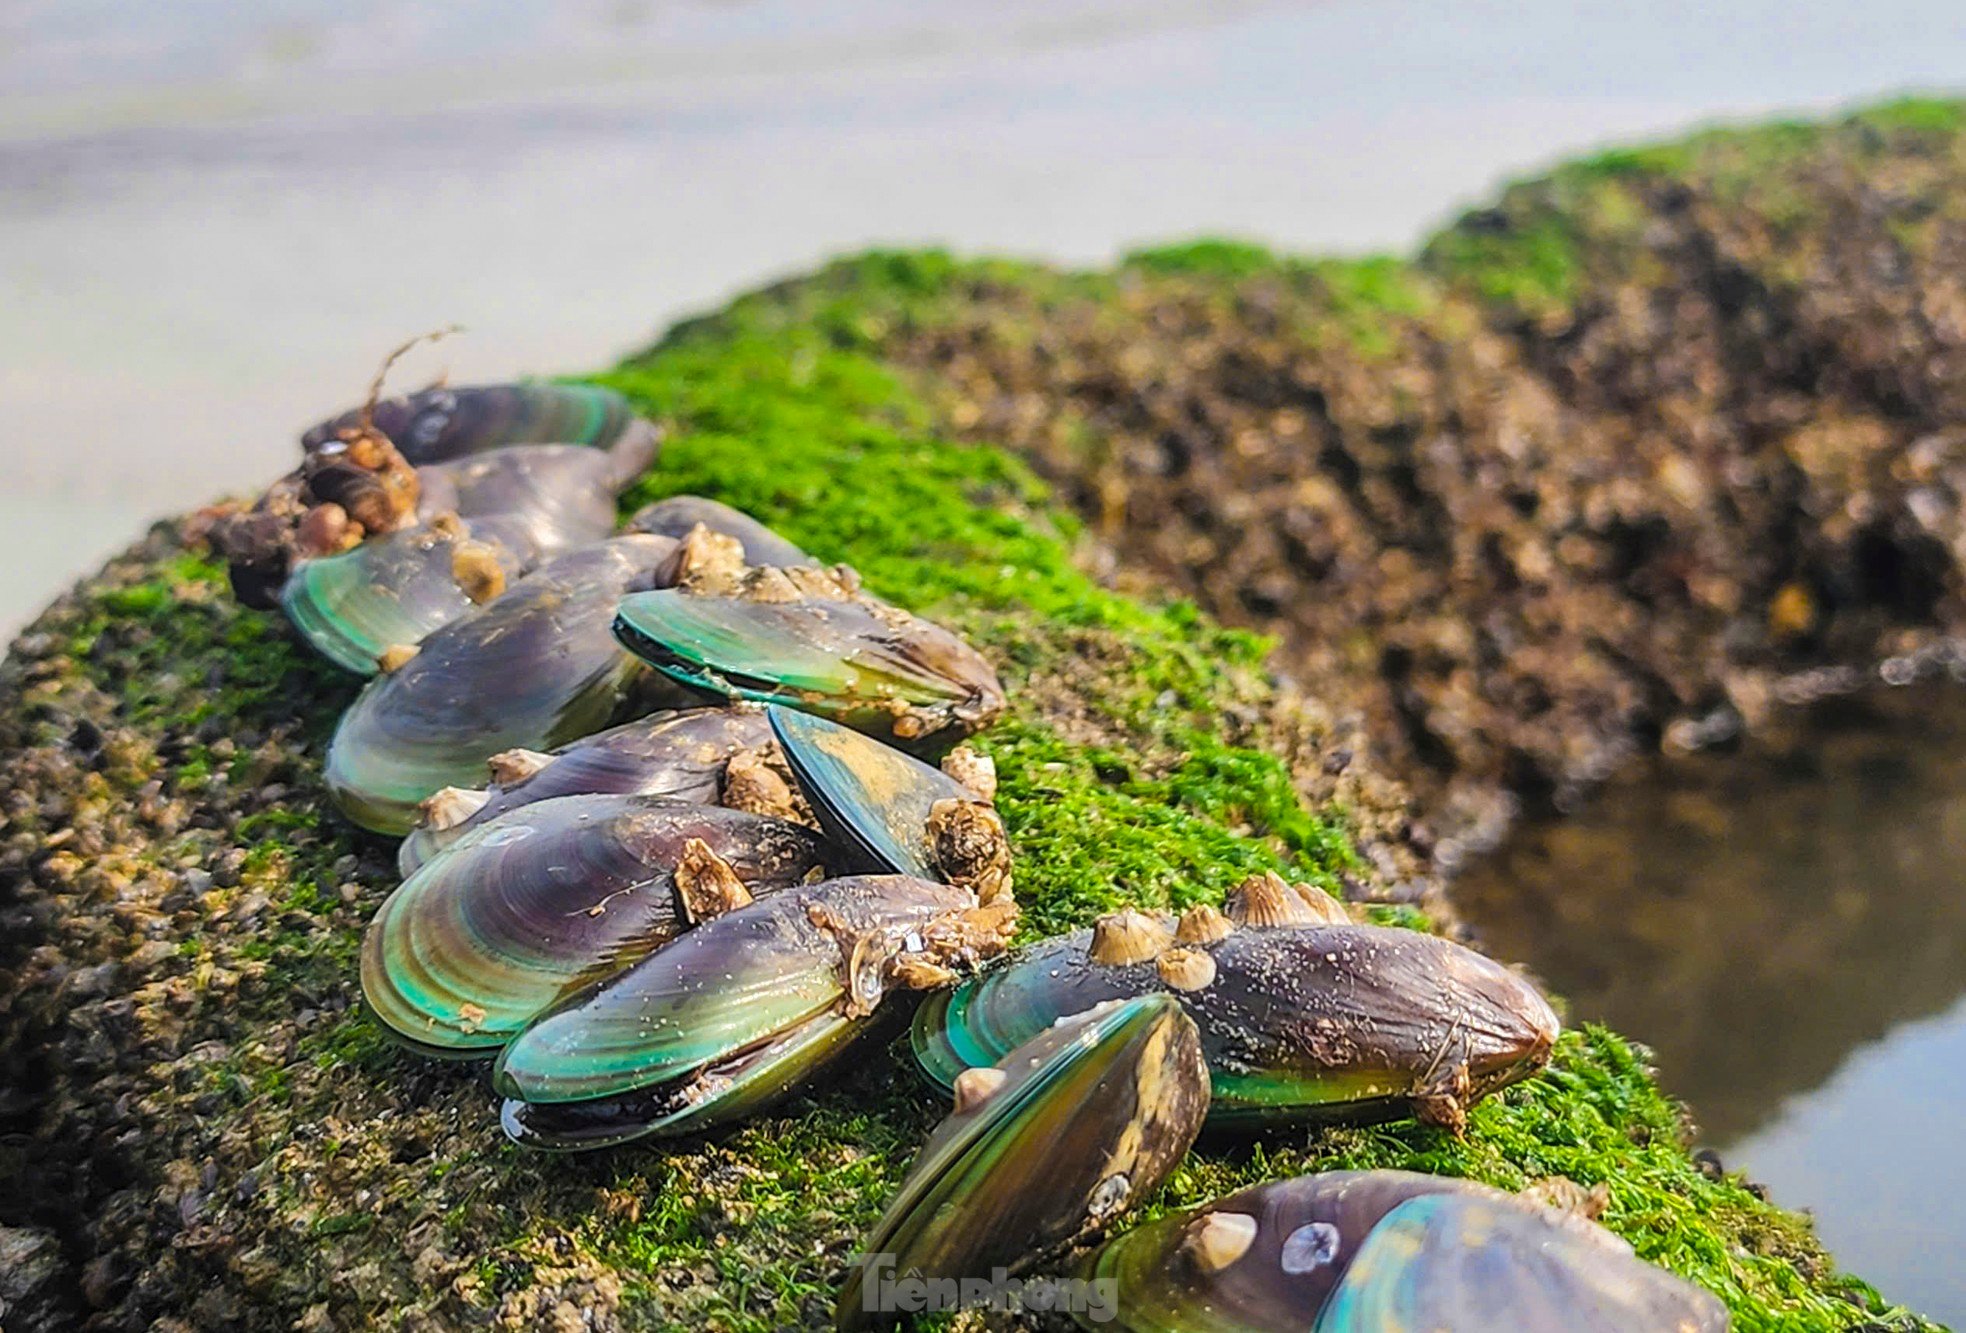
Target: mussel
365,605
684,755
1367,1251
719,1093
1298,1022
556,495
545,898
744,979
850,658
442,423
891,811
533,668
486,520
1070,1130
678,515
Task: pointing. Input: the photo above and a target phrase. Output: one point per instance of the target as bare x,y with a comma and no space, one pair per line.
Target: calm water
1786,927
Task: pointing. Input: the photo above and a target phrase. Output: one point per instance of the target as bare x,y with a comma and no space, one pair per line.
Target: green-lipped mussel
1298,1022
717,1094
710,756
392,591
1383,1251
486,521
537,902
890,811
744,978
677,515
364,474
559,495
805,640
1066,1133
533,668
442,423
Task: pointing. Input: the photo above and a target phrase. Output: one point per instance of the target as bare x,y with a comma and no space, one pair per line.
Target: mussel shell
439,424
870,667
533,668
557,495
1462,1263
677,515
1307,1231
536,903
715,1095
679,754
869,797
723,987
1091,1117
394,589
1299,1023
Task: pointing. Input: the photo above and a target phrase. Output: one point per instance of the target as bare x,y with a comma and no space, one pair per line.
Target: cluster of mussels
712,845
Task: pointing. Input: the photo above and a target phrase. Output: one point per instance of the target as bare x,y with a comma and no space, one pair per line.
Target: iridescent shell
439,424
1301,1023
856,661
717,1094
870,798
559,495
1069,1131
1464,1263
732,983
533,668
394,589
469,949
1262,1258
678,754
677,515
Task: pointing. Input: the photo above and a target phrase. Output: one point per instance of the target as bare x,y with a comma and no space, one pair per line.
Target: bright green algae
1146,790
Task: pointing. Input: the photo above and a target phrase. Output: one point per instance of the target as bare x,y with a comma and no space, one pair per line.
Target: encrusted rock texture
1629,456
1656,441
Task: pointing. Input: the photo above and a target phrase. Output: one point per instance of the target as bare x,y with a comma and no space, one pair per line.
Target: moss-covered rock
214,1135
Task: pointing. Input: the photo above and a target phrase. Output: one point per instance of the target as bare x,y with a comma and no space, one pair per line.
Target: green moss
1529,264
1921,115
1215,258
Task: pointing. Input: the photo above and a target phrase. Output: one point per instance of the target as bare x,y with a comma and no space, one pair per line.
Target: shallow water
1785,926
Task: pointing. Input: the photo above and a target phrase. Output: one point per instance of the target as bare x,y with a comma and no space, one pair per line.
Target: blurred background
215,218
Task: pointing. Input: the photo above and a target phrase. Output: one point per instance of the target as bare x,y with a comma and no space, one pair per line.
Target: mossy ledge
205,1132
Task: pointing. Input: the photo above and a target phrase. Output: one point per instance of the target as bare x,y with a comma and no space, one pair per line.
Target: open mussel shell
439,424
856,661
717,1094
678,515
1462,1263
870,798
1301,1023
533,668
680,754
467,950
1070,1130
397,589
730,984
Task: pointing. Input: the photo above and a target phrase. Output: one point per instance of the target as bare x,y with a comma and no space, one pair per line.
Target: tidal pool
1785,926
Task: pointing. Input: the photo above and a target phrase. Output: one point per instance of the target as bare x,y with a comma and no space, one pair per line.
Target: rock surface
1596,467
1632,455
